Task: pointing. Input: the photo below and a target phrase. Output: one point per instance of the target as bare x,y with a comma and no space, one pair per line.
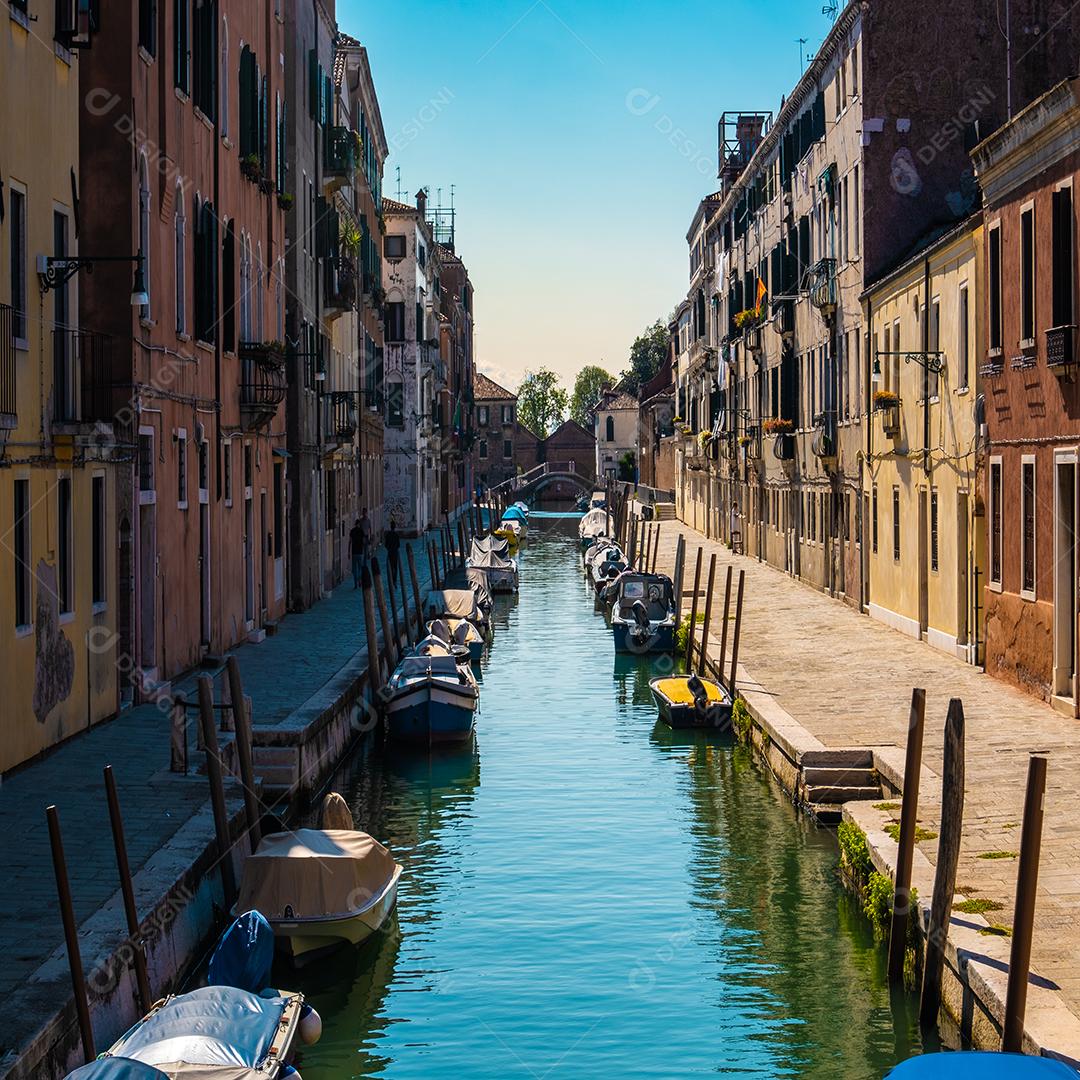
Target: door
924,569
1065,607
249,562
264,554
204,572
147,586
963,587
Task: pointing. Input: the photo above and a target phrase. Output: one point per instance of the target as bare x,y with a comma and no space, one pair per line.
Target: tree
542,402
587,387
646,355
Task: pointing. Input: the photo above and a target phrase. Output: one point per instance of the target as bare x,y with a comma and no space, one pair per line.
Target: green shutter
313,83
247,79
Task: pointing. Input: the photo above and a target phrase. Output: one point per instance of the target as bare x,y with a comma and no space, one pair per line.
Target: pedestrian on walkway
356,552
393,547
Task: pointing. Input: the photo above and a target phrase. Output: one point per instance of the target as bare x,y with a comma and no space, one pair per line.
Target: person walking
356,552
393,548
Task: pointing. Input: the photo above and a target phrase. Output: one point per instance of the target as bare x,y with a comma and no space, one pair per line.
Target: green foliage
893,830
682,632
999,855
877,901
626,466
977,906
888,807
854,850
648,352
542,403
590,379
996,930
741,720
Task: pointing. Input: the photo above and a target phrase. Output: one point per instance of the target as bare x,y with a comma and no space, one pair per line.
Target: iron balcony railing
342,420
262,382
340,285
7,361
1060,346
83,391
339,151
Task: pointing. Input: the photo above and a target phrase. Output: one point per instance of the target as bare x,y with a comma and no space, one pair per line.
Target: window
995,521
963,338
896,524
224,79
609,431
482,416
148,26
181,470
873,520
181,55
1027,276
204,57
63,545
994,287
18,266
146,463
205,273
144,231
204,470
279,510
1027,494
180,229
933,379
394,247
395,404
21,552
1061,261
249,471
226,466
933,530
483,449
395,321
508,448
855,223
99,574
508,414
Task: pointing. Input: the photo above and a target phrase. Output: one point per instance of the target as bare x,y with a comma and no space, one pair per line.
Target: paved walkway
280,674
847,679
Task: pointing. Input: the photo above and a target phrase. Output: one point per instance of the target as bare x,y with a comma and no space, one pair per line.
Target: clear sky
579,139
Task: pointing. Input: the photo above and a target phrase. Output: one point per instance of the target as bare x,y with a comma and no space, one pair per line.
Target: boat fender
310,1025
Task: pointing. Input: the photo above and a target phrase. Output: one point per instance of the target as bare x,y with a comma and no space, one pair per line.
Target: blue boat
981,1065
432,696
643,614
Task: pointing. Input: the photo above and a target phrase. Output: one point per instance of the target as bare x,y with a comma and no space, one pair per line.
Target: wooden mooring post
416,591
693,613
178,749
909,810
1027,878
389,648
952,822
704,648
245,751
677,577
431,565
735,638
392,600
724,628
404,588
656,549
217,787
374,668
127,892
71,932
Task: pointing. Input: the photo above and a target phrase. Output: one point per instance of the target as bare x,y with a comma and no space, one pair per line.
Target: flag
762,292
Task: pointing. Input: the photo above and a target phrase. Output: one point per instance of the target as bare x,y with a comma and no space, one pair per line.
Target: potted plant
778,426
886,399
888,405
251,166
285,200
351,238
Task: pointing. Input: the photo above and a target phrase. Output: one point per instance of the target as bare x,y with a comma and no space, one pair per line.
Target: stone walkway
847,679
280,674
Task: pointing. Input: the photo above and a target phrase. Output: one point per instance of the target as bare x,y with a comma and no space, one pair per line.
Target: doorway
924,570
963,588
204,573
1065,607
249,562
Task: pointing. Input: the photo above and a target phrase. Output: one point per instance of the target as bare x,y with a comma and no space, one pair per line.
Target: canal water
587,894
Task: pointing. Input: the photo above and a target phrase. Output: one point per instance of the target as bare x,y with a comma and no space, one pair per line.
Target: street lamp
933,362
57,270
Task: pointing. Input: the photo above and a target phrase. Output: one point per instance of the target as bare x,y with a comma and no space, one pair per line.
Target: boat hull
494,580
305,940
433,711
684,715
660,640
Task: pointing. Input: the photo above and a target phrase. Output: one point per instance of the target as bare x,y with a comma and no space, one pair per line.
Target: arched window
180,269
610,433
260,291
224,118
245,292
144,230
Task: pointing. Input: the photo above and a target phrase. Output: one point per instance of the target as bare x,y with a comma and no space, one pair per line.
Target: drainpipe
218,356
926,370
867,526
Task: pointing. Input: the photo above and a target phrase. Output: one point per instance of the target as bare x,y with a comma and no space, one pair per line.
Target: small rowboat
981,1065
432,695
687,701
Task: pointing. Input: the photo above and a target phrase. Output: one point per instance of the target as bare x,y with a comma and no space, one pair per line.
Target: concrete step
853,758
827,794
274,755
277,776
665,511
844,777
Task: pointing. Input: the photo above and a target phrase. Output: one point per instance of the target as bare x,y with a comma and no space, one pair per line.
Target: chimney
421,202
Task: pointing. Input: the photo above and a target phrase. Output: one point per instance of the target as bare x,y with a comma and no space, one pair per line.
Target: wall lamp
57,270
934,362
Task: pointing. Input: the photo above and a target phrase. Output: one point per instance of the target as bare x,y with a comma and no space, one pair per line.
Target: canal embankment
307,684
827,688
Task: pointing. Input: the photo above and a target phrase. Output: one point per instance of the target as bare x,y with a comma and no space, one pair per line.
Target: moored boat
320,888
593,526
604,562
643,613
459,632
981,1065
432,697
473,604
689,701
491,566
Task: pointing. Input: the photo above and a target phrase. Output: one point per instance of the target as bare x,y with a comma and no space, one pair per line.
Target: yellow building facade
59,672
924,343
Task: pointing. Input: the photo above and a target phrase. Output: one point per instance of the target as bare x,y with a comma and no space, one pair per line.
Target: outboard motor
701,695
641,614
441,629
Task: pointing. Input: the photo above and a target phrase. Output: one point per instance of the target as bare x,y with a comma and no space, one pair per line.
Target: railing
262,382
821,285
342,419
1061,346
340,286
7,361
82,369
512,483
339,152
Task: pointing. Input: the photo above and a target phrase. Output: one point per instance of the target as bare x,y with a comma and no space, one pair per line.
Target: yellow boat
687,701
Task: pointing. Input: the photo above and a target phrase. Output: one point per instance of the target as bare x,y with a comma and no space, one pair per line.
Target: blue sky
579,139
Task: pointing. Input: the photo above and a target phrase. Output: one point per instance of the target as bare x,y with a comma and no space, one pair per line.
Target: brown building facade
1029,171
495,450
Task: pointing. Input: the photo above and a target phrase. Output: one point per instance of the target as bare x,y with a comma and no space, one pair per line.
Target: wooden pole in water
735,638
389,647
677,576
463,540
71,933
431,565
374,669
123,868
217,788
393,607
656,547
693,614
409,639
242,724
952,820
708,615
904,856
1027,878
178,752
723,631
416,592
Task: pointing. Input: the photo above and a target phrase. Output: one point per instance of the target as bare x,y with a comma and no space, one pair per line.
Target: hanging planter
886,399
251,167
284,200
778,426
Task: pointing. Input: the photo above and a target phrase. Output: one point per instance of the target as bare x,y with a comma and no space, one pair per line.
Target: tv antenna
801,42
399,191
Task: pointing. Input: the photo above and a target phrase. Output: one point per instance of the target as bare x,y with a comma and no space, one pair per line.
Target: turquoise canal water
587,894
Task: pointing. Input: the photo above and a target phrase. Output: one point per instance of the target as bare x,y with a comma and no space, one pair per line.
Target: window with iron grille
1027,274
20,549
995,521
1027,494
933,529
99,570
896,524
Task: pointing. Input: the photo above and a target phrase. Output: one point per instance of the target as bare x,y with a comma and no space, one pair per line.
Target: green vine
741,719
854,851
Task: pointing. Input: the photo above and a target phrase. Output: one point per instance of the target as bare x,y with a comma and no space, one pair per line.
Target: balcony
820,284
823,443
343,418
83,392
339,157
7,367
339,281
1061,348
262,382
